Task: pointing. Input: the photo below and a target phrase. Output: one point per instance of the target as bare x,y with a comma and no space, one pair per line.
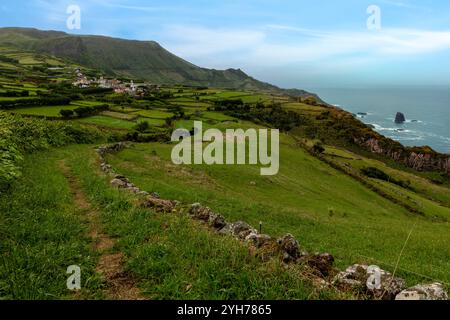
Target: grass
41,235
14,98
325,209
48,111
155,113
171,256
175,258
119,115
107,121
422,185
216,116
152,122
53,111
42,231
433,200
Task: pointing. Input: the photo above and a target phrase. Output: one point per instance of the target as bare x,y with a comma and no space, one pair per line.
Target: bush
66,113
273,114
41,101
11,93
375,173
19,136
142,126
82,112
318,148
10,156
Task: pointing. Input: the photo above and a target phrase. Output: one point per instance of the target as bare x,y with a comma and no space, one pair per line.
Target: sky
290,43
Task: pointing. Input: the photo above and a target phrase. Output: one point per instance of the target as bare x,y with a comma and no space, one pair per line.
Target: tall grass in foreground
175,258
41,234
326,210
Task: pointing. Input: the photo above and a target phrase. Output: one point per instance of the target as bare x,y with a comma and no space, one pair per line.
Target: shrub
375,173
12,93
142,126
10,156
82,112
19,135
41,101
310,100
318,148
66,113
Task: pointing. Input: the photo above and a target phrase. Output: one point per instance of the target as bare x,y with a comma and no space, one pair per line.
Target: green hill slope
323,208
136,59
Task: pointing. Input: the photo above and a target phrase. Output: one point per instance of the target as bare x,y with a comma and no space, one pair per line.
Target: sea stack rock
400,118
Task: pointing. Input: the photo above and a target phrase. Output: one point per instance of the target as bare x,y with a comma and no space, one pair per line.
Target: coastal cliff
420,159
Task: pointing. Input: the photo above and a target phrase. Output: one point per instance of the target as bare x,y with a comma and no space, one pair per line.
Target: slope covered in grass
41,234
170,255
324,208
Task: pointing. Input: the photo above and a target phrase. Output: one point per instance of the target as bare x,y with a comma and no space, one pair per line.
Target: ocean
427,112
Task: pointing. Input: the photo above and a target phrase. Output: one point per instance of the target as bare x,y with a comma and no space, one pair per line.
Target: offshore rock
400,118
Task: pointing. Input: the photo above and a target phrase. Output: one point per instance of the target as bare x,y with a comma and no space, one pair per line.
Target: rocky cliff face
416,160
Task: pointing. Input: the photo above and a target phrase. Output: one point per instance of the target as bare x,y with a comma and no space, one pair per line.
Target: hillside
62,202
145,60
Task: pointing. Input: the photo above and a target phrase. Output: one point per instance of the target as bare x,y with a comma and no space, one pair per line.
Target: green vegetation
331,193
108,122
41,234
172,256
156,114
143,60
19,136
311,202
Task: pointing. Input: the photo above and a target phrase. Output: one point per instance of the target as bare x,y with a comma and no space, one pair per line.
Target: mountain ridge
146,60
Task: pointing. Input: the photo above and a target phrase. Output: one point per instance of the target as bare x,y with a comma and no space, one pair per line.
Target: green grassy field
153,122
171,256
422,186
325,209
119,115
157,114
43,229
41,235
49,111
216,116
53,111
108,122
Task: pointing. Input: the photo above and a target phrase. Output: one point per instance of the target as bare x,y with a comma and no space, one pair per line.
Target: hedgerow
19,136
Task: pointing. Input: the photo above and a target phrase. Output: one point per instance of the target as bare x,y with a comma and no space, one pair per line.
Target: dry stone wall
357,278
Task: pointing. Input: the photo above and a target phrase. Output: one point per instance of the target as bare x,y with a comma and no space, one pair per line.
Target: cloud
402,4
142,8
199,41
283,45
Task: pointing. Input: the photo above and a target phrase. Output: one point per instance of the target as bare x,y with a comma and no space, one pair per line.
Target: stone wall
357,278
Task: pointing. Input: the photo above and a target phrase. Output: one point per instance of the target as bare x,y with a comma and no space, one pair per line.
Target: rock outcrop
205,214
400,118
434,291
322,262
420,161
159,205
362,278
258,240
290,248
